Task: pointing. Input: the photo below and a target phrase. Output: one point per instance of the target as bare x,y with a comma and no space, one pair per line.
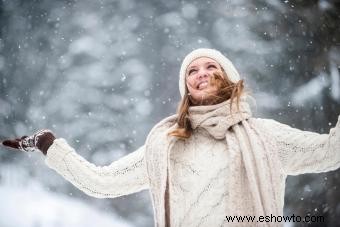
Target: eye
191,71
212,66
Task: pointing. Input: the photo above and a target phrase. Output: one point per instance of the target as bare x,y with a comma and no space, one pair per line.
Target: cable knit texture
124,176
233,164
199,200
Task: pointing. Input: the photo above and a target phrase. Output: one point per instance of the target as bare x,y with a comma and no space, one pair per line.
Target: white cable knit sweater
202,195
199,190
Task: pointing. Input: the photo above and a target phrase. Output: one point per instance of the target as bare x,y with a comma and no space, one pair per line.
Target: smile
202,85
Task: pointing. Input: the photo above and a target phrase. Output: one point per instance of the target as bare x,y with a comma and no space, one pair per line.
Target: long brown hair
226,90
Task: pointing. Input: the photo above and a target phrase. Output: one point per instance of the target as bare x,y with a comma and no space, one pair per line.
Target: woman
210,160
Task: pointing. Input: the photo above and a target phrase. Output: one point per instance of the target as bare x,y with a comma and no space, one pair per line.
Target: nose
202,73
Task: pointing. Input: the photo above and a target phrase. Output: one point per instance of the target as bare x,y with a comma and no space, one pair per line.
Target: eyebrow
209,62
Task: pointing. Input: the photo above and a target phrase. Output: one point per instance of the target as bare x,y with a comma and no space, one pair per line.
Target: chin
203,97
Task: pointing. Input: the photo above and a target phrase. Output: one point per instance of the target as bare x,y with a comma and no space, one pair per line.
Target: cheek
190,88
190,83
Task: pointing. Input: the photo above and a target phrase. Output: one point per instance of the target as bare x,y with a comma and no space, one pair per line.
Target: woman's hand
40,140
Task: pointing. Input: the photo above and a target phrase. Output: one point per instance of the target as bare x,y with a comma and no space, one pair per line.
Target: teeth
202,85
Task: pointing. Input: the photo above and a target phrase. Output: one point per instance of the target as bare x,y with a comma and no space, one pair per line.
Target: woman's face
197,79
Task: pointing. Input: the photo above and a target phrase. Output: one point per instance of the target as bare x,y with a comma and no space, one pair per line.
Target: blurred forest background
102,73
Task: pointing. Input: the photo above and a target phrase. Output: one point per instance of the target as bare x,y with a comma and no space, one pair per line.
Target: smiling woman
201,80
207,83
210,160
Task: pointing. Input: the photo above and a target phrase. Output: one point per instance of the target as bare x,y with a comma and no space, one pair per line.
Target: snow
267,100
310,90
324,5
335,82
189,11
102,73
35,206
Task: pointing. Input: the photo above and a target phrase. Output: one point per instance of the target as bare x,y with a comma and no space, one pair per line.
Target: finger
11,143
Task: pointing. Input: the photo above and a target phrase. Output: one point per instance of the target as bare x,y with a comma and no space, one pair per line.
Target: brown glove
40,140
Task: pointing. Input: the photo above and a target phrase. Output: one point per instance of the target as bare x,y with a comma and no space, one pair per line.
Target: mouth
202,85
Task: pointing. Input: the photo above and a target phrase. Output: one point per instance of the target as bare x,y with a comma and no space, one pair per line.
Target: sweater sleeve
125,176
304,151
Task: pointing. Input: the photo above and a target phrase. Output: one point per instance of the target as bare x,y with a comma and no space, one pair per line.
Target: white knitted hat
226,64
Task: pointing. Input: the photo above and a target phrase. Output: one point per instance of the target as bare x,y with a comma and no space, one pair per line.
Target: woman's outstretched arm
303,151
124,176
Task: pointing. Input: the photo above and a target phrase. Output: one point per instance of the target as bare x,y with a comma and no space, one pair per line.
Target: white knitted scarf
250,179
